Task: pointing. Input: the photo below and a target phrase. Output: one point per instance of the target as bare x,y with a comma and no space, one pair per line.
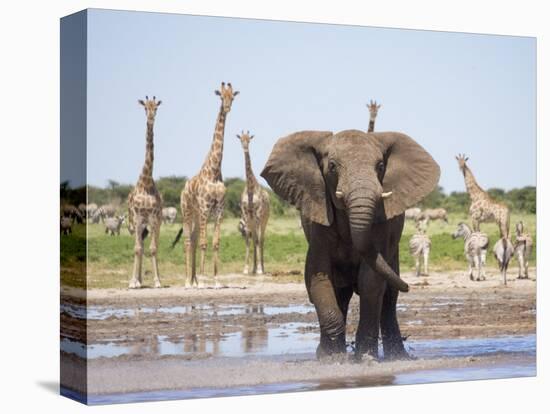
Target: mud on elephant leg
331,320
371,291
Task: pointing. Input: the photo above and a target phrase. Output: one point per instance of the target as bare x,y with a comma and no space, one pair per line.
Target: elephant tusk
339,194
386,195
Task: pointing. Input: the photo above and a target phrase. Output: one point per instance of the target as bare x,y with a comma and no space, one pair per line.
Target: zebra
412,213
434,214
90,210
523,248
475,249
82,209
66,225
113,224
169,215
70,211
503,251
420,245
106,210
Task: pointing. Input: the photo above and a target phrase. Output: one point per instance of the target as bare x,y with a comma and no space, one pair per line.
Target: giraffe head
245,138
373,108
226,95
150,106
462,158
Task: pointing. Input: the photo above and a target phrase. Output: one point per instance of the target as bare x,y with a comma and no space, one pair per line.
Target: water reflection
102,312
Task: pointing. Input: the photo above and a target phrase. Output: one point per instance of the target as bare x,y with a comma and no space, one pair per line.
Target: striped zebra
169,215
503,252
420,245
103,212
475,249
113,224
523,248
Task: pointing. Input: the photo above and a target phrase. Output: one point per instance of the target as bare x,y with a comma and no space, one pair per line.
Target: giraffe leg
255,246
155,226
203,242
261,270
194,243
216,241
188,245
247,255
475,224
135,282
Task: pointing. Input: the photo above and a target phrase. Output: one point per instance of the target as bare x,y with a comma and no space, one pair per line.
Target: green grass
448,254
110,259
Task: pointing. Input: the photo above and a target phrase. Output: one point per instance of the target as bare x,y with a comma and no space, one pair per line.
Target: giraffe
483,208
373,110
145,203
254,211
204,196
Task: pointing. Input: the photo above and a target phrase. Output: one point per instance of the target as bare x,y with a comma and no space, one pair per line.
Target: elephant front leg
371,291
392,340
331,320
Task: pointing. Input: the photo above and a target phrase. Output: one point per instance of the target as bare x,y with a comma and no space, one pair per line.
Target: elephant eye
380,166
331,166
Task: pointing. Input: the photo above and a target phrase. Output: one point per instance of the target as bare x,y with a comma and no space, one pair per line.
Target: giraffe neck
251,182
371,125
472,186
213,163
146,177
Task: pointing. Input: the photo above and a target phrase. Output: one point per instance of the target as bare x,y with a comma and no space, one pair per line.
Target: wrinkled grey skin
353,231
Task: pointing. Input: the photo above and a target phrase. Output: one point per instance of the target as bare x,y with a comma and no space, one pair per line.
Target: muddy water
211,334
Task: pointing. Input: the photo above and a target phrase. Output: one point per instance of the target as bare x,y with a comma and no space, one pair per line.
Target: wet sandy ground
256,331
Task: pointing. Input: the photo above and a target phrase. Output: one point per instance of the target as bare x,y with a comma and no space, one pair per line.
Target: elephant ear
293,171
411,173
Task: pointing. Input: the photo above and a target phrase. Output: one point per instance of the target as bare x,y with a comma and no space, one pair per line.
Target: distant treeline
519,200
170,188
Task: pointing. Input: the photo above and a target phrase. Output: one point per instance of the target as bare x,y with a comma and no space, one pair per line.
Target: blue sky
452,92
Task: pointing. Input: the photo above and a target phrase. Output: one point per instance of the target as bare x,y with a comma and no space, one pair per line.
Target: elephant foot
331,348
367,351
335,358
394,349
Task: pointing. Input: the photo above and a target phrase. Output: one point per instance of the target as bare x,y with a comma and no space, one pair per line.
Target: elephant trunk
361,204
380,266
361,210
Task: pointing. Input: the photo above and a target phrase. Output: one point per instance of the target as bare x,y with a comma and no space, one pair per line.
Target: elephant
352,189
